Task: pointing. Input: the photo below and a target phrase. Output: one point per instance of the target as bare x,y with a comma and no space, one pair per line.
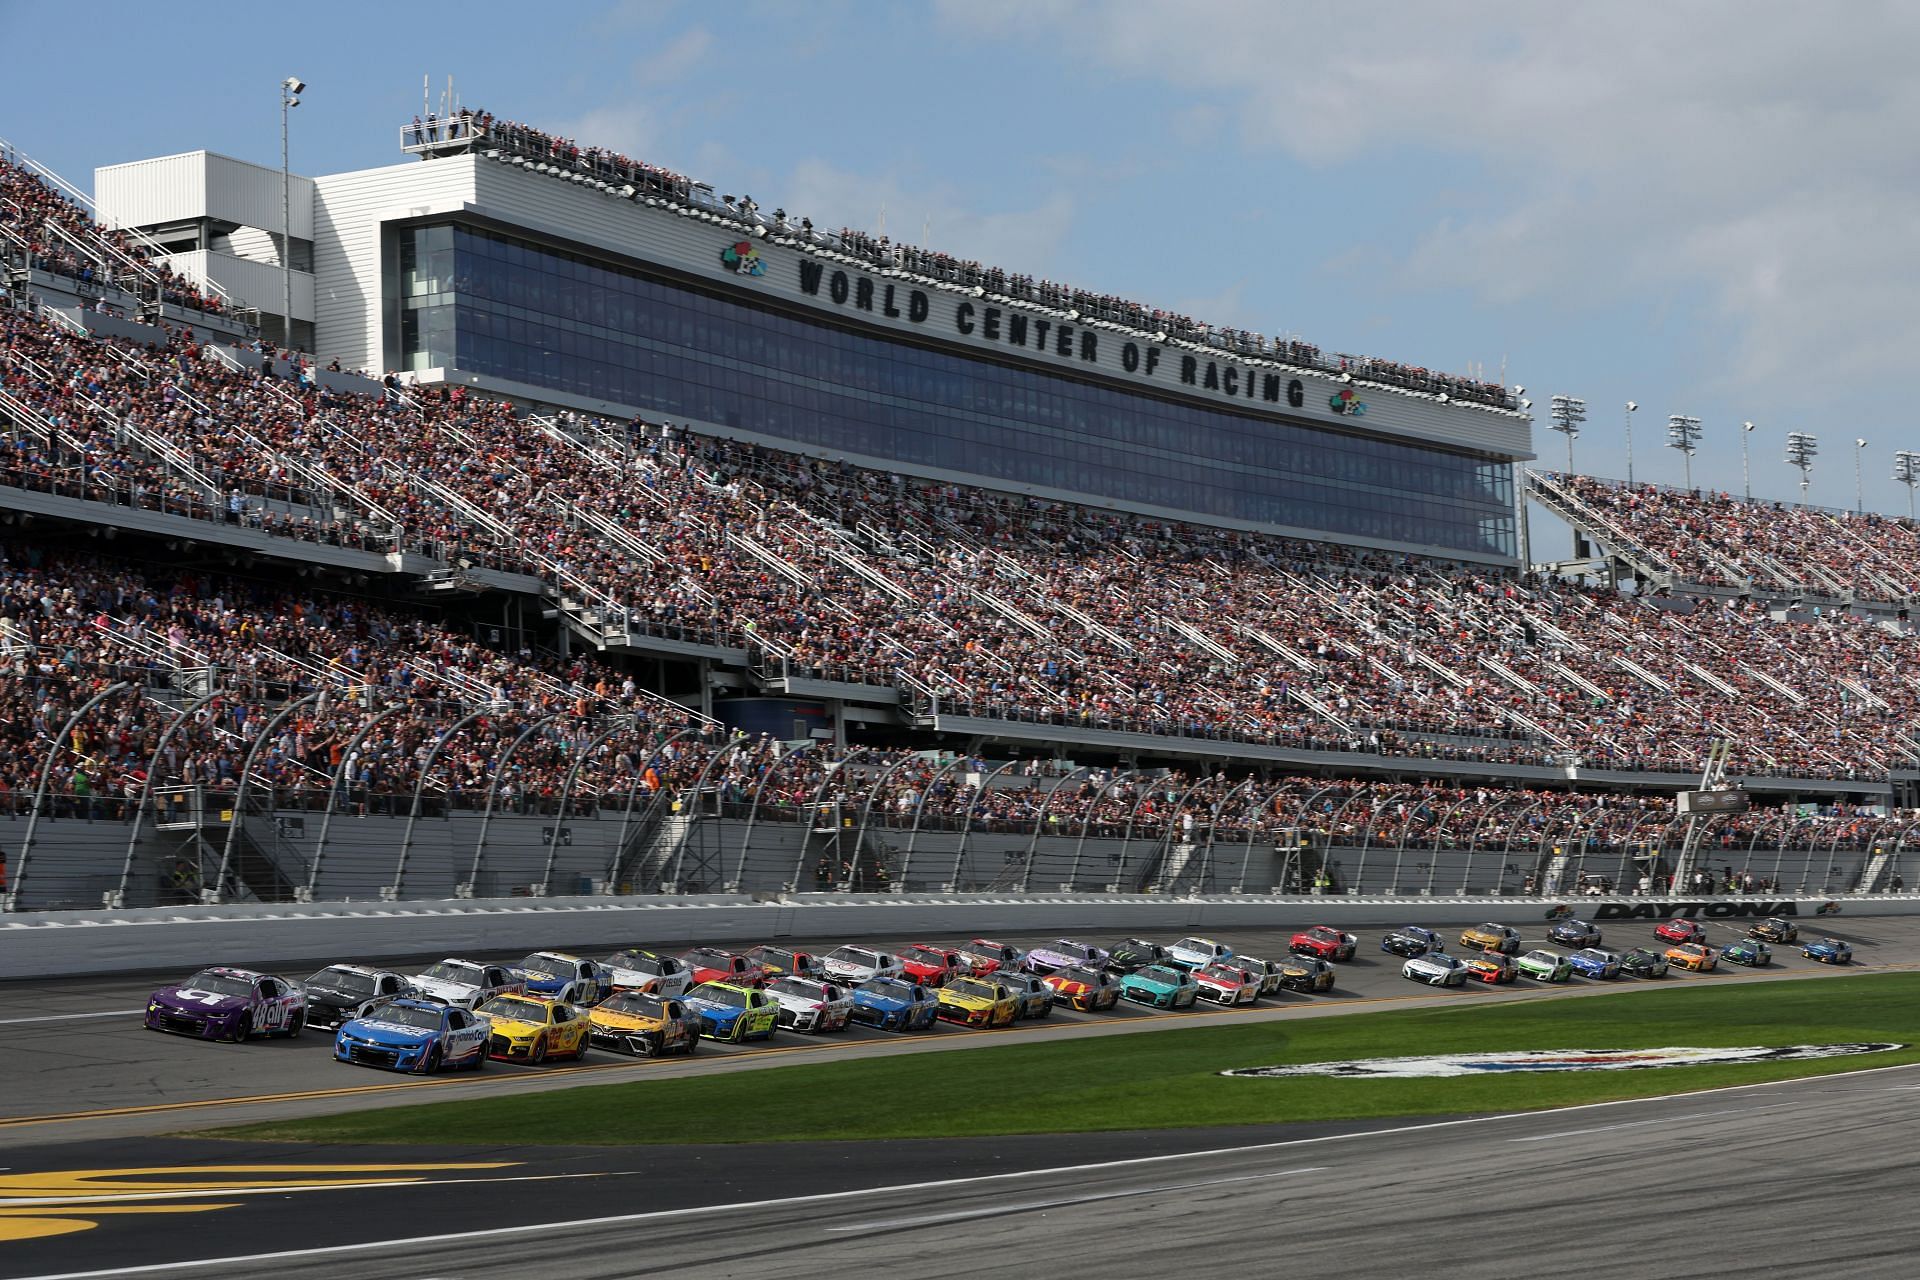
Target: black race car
1575,933
1130,955
340,993
1643,962
1412,941
1774,929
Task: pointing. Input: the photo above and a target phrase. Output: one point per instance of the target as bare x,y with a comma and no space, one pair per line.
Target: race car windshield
1087,976
517,1010
925,955
855,956
723,995
884,987
978,990
1194,944
635,1005
1487,928
546,967
219,984
345,981
466,975
413,1019
1323,935
1159,974
797,987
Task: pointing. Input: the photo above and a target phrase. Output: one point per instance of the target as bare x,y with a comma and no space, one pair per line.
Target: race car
1085,988
1751,952
811,1004
1545,965
1131,954
977,1002
1828,951
1436,969
566,978
1491,967
1491,937
644,1025
985,956
1306,973
1031,990
894,1005
1063,953
1268,973
229,1004
340,993
1677,930
1595,962
1774,929
850,966
643,971
1644,962
931,966
1412,941
783,962
730,1012
1197,953
711,964
1325,942
1694,956
533,1029
1224,984
409,1034
1160,985
465,983
1574,933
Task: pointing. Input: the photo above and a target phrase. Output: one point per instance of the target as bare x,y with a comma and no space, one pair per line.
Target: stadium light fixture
1567,413
1683,433
1859,486
1631,406
290,90
1802,448
1746,477
1525,403
1906,469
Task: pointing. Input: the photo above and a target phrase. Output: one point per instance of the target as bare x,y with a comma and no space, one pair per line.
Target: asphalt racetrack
1810,1173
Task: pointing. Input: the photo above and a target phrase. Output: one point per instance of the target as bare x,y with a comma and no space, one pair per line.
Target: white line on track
72,1017
1631,1124
1027,1206
826,1197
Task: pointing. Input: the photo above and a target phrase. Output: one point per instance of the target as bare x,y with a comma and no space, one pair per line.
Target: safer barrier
164,938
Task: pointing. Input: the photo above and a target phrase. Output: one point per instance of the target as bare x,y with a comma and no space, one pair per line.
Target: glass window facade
491,305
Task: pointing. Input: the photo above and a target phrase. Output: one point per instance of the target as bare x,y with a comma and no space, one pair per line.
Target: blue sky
1709,209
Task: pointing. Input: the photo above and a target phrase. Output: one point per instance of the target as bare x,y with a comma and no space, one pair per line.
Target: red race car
1677,930
711,964
987,956
1324,942
931,966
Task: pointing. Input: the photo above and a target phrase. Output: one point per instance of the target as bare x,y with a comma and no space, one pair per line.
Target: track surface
1809,1175
78,1063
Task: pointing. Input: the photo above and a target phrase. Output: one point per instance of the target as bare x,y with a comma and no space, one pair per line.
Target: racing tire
479,1060
580,1053
693,1046
432,1066
539,1054
298,1025
244,1031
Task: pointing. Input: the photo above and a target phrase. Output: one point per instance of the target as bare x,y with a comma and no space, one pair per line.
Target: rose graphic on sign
1345,402
742,258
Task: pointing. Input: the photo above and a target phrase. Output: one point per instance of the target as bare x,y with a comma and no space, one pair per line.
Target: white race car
465,983
567,978
850,966
810,1004
1197,953
1436,969
656,975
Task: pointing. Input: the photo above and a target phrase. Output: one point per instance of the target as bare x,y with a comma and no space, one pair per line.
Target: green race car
1748,951
1160,985
1545,966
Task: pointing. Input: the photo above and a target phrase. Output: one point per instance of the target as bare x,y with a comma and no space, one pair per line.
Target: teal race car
1160,985
1751,952
1545,966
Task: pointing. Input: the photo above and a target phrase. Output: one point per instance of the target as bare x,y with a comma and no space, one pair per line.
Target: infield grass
1169,1079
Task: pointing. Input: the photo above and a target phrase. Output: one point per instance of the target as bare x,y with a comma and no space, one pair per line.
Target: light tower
1683,433
1802,448
1746,473
1906,469
1859,488
1631,406
1568,412
290,90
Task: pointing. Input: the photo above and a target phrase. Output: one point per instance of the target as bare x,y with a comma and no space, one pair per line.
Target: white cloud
1750,153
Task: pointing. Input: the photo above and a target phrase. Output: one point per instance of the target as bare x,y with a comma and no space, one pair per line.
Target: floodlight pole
1746,473
1906,470
289,99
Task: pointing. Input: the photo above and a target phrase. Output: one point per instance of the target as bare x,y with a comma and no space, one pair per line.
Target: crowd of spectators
1716,539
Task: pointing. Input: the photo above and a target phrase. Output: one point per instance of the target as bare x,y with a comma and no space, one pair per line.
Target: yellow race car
977,1002
1491,937
644,1025
529,1029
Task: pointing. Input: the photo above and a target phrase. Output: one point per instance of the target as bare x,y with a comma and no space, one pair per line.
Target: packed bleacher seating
1716,539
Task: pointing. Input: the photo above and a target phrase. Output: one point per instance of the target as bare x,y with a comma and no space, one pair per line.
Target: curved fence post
1080,845
347,755
966,822
413,811
813,808
626,724
1213,830
146,788
866,810
1040,822
246,779
493,793
926,792
60,740
618,862
680,855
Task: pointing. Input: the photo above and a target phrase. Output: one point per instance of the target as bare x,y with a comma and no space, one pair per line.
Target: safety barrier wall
56,944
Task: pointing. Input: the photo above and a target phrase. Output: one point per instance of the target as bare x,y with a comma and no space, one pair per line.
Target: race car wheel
693,1045
298,1025
243,1030
432,1066
480,1060
539,1054
580,1051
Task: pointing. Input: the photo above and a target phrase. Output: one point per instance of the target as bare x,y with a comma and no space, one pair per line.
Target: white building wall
201,184
258,284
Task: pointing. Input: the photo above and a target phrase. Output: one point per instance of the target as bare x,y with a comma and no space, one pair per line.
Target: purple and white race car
229,1004
1064,953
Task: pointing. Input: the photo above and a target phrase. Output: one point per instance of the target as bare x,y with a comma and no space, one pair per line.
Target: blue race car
1828,951
414,1035
893,1005
1748,951
1574,933
1592,962
1412,941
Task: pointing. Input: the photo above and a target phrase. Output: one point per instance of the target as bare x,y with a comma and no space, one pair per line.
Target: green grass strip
1168,1079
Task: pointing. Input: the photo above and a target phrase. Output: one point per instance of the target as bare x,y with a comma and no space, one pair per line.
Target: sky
1707,208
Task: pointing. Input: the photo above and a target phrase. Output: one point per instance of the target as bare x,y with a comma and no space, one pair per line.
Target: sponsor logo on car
1471,1064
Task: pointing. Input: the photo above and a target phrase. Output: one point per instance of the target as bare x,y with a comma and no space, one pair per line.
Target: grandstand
862,584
